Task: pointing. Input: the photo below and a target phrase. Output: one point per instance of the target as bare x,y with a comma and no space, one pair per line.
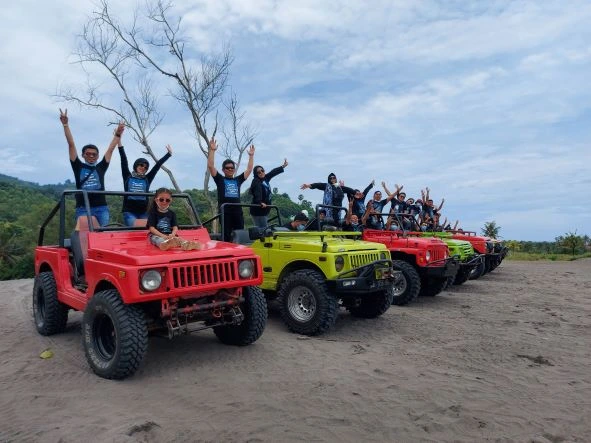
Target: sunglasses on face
164,200
260,170
90,154
229,168
142,165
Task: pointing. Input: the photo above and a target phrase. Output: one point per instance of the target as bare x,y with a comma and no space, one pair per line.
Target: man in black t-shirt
228,188
90,175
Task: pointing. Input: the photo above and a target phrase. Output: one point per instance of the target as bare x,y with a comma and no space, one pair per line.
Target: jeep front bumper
448,269
373,277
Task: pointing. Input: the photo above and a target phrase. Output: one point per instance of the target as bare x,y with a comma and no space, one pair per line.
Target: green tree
491,229
514,245
571,242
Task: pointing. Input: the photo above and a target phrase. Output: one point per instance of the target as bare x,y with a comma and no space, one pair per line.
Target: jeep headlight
246,268
445,254
339,263
151,280
383,256
427,256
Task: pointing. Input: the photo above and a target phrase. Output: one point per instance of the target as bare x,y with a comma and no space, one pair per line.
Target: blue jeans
129,218
260,221
100,212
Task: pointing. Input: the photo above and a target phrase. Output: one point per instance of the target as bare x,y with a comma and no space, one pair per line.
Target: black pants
232,220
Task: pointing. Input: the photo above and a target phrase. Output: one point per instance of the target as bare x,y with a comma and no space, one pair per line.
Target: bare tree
153,44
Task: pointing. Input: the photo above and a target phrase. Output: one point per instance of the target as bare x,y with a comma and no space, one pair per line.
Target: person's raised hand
251,150
213,145
64,116
169,149
284,165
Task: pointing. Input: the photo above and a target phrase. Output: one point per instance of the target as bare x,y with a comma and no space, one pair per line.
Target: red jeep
128,288
425,263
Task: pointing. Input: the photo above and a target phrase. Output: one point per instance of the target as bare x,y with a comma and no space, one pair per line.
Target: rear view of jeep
127,288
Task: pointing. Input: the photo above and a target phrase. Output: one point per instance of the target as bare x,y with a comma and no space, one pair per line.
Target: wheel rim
399,286
39,307
104,337
301,304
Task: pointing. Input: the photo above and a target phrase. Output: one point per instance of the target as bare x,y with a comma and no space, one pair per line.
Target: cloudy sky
486,102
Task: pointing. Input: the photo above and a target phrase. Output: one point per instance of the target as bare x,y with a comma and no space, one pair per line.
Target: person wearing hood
334,192
260,188
90,174
138,180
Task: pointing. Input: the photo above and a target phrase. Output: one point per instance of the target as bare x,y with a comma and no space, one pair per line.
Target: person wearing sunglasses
90,173
260,189
228,187
138,180
162,224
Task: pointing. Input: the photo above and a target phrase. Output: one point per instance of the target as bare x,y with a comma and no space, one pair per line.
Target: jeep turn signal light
122,274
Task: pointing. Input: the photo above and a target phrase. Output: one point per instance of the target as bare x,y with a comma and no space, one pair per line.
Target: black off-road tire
254,309
432,287
405,289
478,271
306,305
114,335
49,314
463,275
372,305
449,281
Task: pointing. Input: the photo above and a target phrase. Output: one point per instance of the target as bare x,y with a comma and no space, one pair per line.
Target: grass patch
535,256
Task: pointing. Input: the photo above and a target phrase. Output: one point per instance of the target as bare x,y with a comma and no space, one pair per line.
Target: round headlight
428,255
383,256
151,280
246,268
339,263
445,254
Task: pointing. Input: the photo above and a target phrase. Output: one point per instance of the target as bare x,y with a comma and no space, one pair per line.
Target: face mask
354,224
300,227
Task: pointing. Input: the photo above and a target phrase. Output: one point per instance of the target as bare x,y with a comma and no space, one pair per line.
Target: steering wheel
114,225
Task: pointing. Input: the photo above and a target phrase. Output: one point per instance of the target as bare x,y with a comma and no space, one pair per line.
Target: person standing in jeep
228,188
90,175
334,192
139,180
260,188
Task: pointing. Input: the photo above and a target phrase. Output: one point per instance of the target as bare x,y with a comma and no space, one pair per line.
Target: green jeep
462,250
312,273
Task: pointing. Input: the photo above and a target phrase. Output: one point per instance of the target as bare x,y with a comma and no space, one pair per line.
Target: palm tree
491,229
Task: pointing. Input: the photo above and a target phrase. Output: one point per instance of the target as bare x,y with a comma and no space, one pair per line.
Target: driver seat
79,243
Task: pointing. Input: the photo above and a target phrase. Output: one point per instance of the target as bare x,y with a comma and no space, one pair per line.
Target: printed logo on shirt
92,182
231,188
137,185
163,225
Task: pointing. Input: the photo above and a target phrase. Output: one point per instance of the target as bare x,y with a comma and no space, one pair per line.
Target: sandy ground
504,358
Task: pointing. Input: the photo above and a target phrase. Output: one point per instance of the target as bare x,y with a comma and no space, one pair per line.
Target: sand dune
504,358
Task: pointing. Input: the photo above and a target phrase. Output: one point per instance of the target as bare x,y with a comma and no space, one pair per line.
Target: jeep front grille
437,254
204,274
467,250
363,258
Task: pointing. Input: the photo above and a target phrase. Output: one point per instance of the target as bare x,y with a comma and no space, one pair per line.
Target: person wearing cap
228,187
298,223
334,192
90,174
138,180
260,188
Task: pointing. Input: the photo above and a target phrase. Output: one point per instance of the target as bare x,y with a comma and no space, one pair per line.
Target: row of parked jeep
128,289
